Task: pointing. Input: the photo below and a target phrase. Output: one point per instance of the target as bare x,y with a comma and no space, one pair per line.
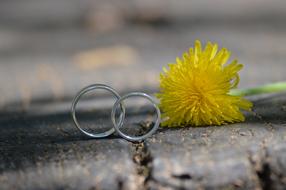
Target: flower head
195,89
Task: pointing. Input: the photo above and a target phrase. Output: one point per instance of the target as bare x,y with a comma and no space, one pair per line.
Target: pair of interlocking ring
116,125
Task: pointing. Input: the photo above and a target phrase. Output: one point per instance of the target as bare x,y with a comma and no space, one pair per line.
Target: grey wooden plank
66,13
48,152
48,148
240,156
64,77
72,165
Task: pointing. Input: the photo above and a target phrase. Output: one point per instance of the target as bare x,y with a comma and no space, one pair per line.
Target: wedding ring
86,90
120,123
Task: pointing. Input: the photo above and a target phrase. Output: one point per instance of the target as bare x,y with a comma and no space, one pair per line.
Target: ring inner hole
140,116
93,111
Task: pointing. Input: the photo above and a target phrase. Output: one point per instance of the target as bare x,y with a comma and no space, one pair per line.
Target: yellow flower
195,89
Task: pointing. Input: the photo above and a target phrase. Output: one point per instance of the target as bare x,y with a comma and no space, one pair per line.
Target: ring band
120,123
86,90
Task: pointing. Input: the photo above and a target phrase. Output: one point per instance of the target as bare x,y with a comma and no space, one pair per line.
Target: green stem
268,88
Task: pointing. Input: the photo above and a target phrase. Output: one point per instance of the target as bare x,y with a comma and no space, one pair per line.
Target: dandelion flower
196,89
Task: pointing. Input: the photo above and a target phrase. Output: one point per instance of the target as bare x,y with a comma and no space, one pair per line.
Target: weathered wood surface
45,151
45,60
249,155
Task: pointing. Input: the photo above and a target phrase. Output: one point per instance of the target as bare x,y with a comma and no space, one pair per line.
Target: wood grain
40,148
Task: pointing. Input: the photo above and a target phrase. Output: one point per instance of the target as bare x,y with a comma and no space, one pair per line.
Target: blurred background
49,50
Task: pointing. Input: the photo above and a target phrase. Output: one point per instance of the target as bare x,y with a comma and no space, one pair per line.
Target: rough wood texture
249,155
47,56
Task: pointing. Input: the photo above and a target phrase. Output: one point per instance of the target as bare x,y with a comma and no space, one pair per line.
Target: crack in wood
143,159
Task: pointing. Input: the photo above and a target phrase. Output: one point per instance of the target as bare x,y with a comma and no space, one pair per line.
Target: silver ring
88,89
120,123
